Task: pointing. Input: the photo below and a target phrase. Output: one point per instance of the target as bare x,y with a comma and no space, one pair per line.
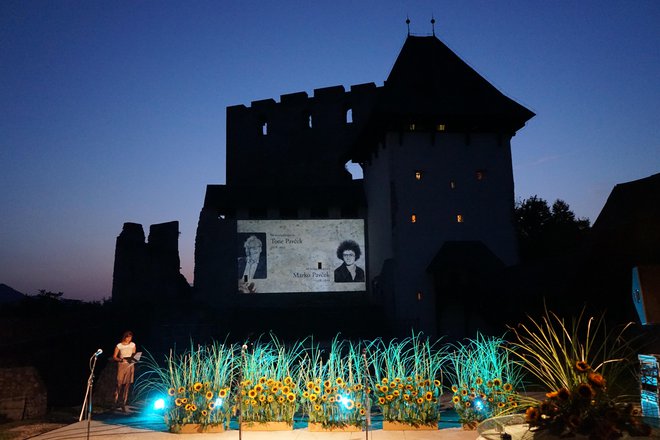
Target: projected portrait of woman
349,272
253,265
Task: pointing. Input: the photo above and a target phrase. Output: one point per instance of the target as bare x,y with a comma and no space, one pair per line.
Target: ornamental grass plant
335,386
406,379
270,381
197,382
485,383
582,365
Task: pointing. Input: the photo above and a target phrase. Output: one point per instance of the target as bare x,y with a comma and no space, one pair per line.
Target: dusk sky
114,111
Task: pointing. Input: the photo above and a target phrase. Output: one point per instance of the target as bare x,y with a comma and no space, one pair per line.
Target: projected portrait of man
349,272
252,266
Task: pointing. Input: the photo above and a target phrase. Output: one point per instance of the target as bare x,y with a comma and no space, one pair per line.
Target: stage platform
136,425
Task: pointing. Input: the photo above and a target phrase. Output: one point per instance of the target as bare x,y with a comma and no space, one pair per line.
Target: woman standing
125,369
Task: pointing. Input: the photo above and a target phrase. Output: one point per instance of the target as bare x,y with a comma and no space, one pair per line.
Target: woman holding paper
125,369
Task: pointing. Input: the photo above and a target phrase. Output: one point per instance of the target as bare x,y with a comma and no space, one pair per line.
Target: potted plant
334,396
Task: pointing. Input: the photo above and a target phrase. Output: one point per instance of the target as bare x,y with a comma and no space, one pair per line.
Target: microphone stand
367,421
88,394
239,396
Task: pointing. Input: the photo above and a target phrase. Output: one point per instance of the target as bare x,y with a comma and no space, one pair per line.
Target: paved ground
151,427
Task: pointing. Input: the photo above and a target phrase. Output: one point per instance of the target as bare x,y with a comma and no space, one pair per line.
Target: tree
545,231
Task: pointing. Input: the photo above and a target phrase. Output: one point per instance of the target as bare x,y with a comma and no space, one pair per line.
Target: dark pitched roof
430,84
429,78
474,255
628,226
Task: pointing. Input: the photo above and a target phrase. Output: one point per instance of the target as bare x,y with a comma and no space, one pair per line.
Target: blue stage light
159,404
218,402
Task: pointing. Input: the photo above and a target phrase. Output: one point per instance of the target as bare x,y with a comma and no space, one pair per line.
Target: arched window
349,115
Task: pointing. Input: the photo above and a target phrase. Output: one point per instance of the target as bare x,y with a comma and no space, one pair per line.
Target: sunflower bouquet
269,383
485,380
407,380
335,395
197,384
583,368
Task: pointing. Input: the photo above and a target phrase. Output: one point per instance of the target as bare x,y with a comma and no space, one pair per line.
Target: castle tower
437,167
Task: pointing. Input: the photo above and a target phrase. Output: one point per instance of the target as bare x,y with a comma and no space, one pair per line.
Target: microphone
98,352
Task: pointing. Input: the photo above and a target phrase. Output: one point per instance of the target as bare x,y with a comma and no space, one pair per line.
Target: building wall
299,139
394,195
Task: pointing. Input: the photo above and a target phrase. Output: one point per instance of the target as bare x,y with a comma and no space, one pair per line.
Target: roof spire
433,24
408,24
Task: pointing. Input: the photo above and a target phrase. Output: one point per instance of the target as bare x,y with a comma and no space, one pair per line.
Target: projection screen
292,256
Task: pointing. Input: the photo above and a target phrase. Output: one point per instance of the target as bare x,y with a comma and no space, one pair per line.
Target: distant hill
8,295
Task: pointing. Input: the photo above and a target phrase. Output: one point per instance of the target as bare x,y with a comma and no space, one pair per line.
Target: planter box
195,428
400,426
266,426
318,427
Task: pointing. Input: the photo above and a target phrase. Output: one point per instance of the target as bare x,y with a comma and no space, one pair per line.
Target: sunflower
464,392
552,394
313,397
339,381
181,390
209,395
349,404
306,394
262,398
381,400
286,390
454,399
259,388
479,381
384,389
395,393
222,392
184,400
582,366
436,383
429,396
497,382
288,380
317,389
211,406
532,414
197,386
188,407
406,397
178,401
389,397
310,385
507,387
362,411
270,398
500,405
317,407
280,399
262,379
204,413
327,383
291,397
420,400
252,393
585,391
171,392
596,380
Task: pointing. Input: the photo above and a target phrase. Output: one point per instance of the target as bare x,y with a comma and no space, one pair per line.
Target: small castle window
349,116
419,296
411,127
418,175
452,184
459,218
264,128
440,127
309,121
480,174
413,218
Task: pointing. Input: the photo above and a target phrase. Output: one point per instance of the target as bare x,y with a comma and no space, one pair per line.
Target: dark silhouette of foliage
547,231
